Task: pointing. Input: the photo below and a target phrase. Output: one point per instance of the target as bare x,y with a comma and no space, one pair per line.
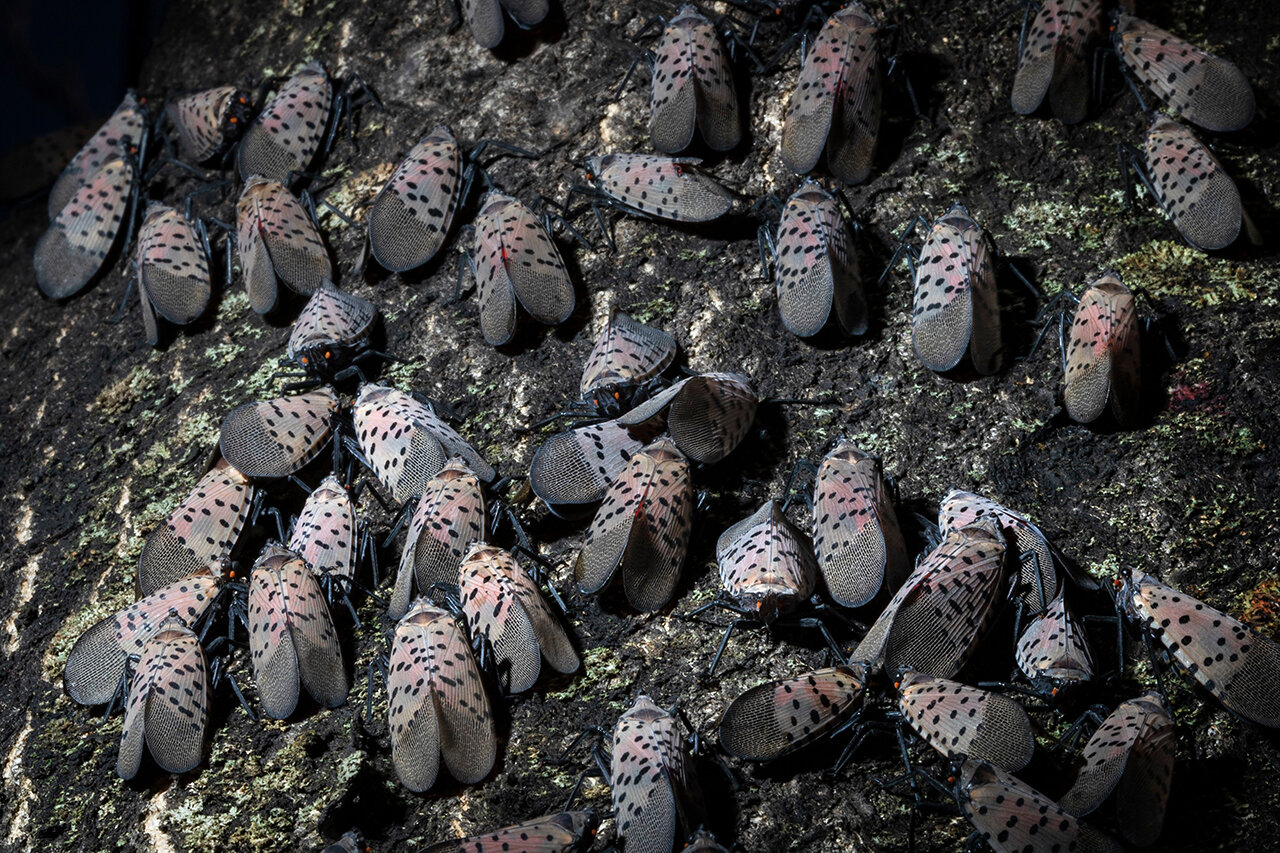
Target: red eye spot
328,355
234,119
304,360
617,396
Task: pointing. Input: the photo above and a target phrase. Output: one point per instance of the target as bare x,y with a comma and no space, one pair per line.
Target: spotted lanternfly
173,272
707,416
642,528
485,19
1015,818
1131,754
1053,651
1054,59
275,438
167,707
200,532
958,720
331,333
285,136
1239,666
292,641
1104,356
1038,581
660,187
940,613
209,121
412,213
625,355
74,247
123,129
693,87
573,469
449,517
957,308
816,268
436,702
1192,187
99,659
553,833
325,533
516,261
651,777
504,605
766,562
406,443
1204,89
778,717
855,530
276,239
836,102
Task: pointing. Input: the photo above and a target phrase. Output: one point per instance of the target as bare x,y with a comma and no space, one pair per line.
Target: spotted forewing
707,416
284,138
553,833
1054,62
856,537
1053,649
412,214
206,122
817,270
575,467
332,325
1104,354
74,247
167,707
779,717
1038,581
503,604
1204,89
693,87
200,532
122,130
275,438
325,532
625,353
276,238
650,777
662,187
437,702
1192,187
641,528
173,272
516,261
962,721
766,562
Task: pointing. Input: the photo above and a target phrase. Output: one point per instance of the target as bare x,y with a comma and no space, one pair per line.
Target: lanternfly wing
626,352
778,717
167,707
1038,579
956,306
1014,818
1053,60
411,215
938,616
503,604
292,640
959,721
816,268
661,186
74,247
526,13
449,517
1054,646
97,661
275,438
206,121
516,259
436,702
576,467
648,777
643,525
1134,750
856,537
325,533
1235,663
1193,188
693,83
1206,90
108,144
852,145
1104,354
173,273
765,560
812,104
484,19
286,135
200,532
707,415
276,237
407,443
330,319
554,833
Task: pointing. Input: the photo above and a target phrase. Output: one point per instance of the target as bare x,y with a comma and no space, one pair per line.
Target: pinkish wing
711,415
411,707
552,638
609,537
271,646
1108,752
173,273
626,352
251,247
812,106
778,717
576,467
856,537
297,254
315,640
664,187
275,438
1144,789
1035,63
325,532
533,265
285,137
717,96
330,316
857,108
765,551
411,215
558,833
659,537
960,509
1089,357
467,736
1069,89
199,120
1054,645
106,145
176,710
646,776
74,247
493,282
674,99
1198,194
805,268
962,721
942,315
493,611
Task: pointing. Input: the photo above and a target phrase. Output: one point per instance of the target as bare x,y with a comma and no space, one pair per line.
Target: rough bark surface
102,435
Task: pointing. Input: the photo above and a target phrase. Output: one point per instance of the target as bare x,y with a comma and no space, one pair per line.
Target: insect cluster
261,582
